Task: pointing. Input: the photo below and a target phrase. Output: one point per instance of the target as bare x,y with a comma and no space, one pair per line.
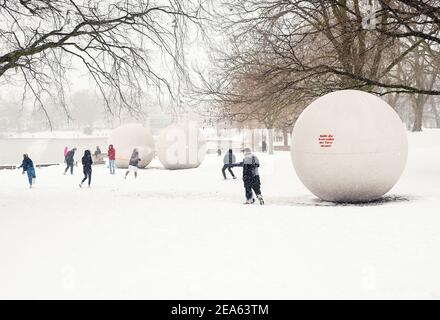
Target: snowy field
186,234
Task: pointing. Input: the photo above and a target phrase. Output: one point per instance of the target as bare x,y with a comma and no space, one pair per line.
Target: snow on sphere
127,137
181,146
349,146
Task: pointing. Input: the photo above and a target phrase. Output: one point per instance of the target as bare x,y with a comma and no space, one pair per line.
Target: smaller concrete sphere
181,146
349,146
128,137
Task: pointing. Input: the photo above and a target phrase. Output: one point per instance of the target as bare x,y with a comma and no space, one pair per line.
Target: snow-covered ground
186,234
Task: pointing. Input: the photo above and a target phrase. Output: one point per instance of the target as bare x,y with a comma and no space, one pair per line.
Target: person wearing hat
28,167
251,177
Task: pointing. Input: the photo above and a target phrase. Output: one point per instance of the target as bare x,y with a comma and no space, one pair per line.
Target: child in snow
133,164
228,163
251,177
28,167
70,160
111,158
87,167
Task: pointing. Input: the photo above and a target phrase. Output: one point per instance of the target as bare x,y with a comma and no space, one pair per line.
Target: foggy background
76,70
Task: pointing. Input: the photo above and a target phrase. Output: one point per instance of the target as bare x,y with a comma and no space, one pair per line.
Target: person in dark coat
87,167
228,163
133,163
111,158
65,153
70,160
97,152
28,167
264,146
251,177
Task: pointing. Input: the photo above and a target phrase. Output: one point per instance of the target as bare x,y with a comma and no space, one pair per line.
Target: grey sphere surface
349,146
181,146
128,137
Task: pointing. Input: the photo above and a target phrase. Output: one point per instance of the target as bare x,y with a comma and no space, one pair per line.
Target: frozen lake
186,234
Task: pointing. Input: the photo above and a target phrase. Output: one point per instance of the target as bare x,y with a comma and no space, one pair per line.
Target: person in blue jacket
28,167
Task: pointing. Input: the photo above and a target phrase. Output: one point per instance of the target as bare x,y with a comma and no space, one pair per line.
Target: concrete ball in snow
128,137
349,146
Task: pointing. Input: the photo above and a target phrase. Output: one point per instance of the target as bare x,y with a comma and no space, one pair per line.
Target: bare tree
423,76
118,42
282,54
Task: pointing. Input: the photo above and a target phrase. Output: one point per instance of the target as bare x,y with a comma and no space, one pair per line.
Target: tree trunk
270,138
219,143
436,114
285,137
418,117
418,108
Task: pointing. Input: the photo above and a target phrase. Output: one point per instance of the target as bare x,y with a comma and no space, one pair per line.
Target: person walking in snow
28,167
65,152
133,164
228,163
111,158
251,177
87,167
70,160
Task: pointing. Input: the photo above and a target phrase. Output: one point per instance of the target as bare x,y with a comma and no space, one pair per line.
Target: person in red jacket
111,158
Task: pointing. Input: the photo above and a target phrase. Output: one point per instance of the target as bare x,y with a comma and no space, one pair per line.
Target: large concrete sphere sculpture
127,137
181,146
349,146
